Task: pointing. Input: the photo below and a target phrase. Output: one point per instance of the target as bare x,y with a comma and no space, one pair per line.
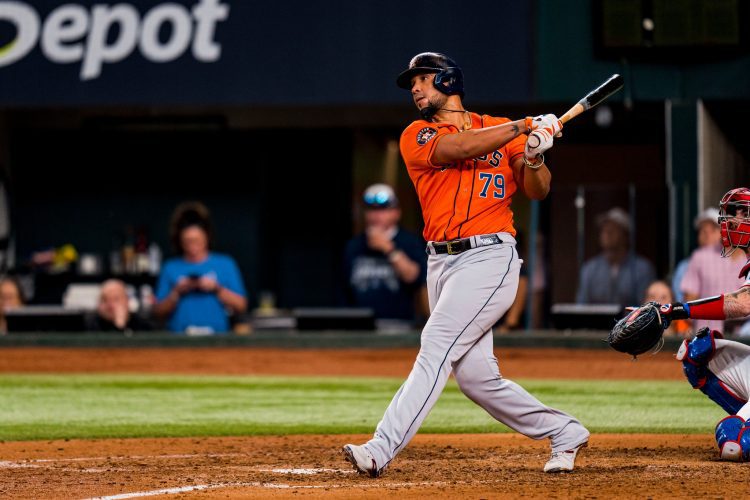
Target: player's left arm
535,183
735,305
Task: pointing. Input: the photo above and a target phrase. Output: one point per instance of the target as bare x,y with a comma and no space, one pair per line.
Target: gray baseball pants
468,294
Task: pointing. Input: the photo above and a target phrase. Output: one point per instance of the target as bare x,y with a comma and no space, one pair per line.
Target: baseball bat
606,89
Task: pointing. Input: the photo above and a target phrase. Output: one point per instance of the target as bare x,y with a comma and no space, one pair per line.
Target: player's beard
434,104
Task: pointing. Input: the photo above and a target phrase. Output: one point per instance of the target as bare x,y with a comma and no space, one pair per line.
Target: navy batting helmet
448,76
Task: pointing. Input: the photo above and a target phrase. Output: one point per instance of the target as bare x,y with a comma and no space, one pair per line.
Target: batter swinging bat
606,89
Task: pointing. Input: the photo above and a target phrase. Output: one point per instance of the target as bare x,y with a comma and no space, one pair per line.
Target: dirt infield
444,466
514,362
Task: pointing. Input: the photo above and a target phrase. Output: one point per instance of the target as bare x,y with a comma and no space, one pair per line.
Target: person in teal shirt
198,290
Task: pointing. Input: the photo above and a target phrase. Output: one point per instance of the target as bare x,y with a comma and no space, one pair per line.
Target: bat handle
572,113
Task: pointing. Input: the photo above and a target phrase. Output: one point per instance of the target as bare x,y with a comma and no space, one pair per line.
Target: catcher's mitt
639,331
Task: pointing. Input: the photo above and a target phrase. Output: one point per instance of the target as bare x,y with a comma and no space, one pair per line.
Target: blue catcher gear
695,356
449,79
733,438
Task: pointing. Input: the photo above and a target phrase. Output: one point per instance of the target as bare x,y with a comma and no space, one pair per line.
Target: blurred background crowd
207,183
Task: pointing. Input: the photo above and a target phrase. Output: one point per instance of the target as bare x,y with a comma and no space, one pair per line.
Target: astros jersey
467,197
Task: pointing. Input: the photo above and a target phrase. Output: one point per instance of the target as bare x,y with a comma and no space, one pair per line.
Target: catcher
719,368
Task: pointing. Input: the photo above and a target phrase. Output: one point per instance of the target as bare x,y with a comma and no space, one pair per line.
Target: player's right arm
735,305
476,142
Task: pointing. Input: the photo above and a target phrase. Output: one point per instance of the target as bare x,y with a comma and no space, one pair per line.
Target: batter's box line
199,487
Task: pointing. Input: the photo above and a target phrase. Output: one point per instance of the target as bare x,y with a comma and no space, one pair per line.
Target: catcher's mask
449,79
734,220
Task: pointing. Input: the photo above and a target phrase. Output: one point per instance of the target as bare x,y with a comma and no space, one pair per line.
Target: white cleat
361,459
563,461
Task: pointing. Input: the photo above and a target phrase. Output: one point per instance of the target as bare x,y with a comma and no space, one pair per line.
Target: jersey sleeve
515,148
419,140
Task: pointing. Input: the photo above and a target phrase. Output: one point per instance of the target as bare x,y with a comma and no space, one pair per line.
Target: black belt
455,247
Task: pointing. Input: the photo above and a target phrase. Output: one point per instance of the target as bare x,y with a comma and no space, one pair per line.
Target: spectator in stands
113,312
707,234
707,273
385,267
660,291
616,275
198,290
11,297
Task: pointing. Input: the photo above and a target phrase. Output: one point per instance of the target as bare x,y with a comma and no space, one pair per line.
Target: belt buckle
450,244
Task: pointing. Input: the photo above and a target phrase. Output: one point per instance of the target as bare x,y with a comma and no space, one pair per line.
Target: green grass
93,406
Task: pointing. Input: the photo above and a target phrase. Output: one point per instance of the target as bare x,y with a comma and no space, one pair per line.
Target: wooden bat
606,89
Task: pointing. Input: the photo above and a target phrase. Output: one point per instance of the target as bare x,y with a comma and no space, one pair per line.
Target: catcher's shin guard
695,356
733,438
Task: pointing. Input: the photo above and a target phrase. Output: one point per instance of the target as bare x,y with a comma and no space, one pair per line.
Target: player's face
736,215
424,93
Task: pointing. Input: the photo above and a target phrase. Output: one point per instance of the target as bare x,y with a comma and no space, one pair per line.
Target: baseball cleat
361,459
563,461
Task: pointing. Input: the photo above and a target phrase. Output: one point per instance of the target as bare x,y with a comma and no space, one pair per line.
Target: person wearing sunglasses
385,266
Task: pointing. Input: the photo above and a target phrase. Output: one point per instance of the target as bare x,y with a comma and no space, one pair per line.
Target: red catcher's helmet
734,219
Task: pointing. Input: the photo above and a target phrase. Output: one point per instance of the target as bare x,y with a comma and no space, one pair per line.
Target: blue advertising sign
253,52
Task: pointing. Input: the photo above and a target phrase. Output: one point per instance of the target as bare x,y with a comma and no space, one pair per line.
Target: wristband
393,254
527,122
709,308
534,166
676,310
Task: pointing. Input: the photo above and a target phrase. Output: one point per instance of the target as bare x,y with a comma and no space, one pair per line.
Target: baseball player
721,368
465,168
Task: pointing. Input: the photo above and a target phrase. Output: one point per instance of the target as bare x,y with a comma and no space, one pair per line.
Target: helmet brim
404,79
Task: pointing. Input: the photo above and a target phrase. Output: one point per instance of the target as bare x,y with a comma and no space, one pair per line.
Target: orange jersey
467,197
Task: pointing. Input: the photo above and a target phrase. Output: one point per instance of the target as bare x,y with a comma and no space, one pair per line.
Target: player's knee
695,374
733,439
701,349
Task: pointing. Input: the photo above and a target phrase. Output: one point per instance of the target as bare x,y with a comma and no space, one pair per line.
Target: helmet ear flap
450,81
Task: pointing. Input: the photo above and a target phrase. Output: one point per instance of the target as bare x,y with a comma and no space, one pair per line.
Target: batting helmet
734,219
448,76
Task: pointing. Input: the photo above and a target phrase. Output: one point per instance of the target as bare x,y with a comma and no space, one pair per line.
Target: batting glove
537,143
549,122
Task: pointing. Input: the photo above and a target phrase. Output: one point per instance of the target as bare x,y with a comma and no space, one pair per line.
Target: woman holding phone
198,290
